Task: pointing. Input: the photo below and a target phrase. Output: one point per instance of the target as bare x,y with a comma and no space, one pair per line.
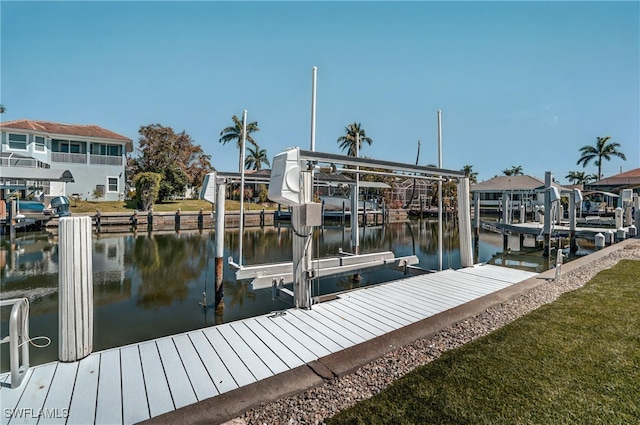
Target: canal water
151,285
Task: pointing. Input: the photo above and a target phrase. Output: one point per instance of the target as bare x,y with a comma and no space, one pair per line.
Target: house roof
509,183
628,178
87,130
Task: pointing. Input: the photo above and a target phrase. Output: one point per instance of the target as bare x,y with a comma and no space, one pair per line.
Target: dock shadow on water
152,285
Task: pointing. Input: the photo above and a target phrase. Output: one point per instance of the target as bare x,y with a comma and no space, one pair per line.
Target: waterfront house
523,190
42,158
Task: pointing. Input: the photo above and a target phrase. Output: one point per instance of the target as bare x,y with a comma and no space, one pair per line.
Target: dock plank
262,350
255,364
272,326
109,403
34,395
59,397
319,337
350,321
158,393
384,320
85,391
222,379
238,370
302,338
135,407
11,396
339,327
198,374
179,384
280,349
344,311
376,300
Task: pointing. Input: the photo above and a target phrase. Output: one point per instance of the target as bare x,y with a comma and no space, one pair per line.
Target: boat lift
291,184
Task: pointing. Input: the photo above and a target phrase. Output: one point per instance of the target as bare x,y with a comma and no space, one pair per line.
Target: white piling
633,231
464,223
75,295
608,237
618,217
599,240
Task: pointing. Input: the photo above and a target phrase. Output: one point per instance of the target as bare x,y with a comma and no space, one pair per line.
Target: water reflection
151,285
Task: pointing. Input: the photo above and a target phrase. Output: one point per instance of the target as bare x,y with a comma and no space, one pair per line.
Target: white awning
35,174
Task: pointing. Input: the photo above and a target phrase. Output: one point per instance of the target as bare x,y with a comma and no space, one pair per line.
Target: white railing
74,158
18,339
105,160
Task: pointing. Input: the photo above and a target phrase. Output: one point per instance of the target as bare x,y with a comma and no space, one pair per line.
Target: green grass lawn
574,361
80,206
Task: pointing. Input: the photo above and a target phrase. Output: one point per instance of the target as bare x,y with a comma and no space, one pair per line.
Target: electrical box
627,195
311,214
208,191
284,186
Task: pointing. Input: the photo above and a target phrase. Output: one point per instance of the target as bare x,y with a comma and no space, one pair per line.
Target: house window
39,146
18,141
112,184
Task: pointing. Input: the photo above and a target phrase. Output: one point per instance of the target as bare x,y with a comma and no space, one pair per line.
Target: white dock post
75,280
221,190
573,247
464,223
548,178
636,204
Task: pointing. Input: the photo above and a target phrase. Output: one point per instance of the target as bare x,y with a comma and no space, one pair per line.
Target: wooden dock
129,384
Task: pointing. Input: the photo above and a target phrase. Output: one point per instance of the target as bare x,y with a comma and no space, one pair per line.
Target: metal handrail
18,339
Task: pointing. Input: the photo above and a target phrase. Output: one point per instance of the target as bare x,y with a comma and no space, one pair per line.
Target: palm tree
2,109
467,170
348,141
256,158
601,150
580,177
513,171
235,133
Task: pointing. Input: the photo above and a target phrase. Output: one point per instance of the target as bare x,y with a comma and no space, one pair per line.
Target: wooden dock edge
224,407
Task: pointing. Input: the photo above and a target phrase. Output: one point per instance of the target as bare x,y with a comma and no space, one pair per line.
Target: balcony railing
105,160
81,158
74,158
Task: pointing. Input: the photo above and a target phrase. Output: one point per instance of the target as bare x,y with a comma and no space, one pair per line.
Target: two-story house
63,159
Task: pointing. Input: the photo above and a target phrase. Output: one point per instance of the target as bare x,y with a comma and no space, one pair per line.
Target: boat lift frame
303,270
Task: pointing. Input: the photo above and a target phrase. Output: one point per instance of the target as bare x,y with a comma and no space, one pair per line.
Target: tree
2,109
601,150
235,133
147,189
348,141
467,170
172,155
580,177
256,158
513,171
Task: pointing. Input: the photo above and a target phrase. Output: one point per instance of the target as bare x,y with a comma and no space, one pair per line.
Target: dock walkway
136,382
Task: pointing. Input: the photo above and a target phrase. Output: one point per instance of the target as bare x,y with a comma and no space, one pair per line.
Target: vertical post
220,198
98,221
440,241
355,193
75,281
476,218
201,219
313,108
573,247
134,220
302,248
242,147
636,208
546,231
12,221
177,220
150,220
505,219
464,223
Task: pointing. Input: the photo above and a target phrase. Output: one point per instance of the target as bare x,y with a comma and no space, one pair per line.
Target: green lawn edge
576,360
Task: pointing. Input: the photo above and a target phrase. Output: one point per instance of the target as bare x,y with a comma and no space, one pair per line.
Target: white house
63,159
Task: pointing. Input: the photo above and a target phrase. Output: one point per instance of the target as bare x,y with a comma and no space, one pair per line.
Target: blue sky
518,83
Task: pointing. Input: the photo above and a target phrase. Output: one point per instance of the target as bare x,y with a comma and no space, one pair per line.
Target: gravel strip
316,404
